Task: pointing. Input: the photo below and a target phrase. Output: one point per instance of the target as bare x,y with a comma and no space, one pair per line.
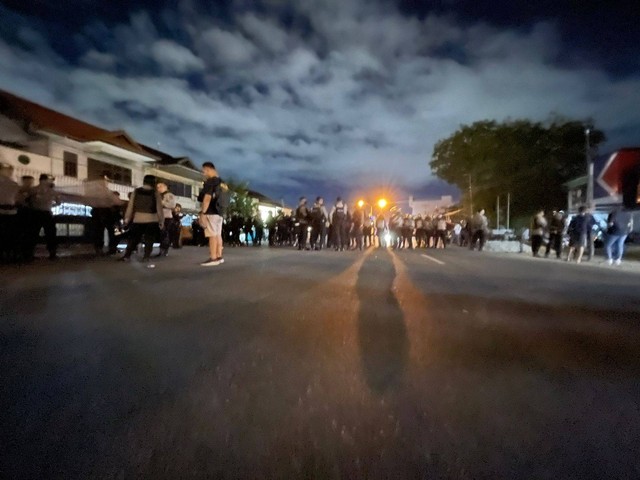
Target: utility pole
498,213
470,195
589,199
508,210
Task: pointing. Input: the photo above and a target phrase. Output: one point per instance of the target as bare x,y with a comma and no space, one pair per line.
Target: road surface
287,364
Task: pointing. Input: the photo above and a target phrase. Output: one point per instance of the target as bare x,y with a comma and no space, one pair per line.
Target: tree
530,160
241,203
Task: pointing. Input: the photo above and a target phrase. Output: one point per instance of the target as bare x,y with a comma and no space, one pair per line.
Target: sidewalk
630,261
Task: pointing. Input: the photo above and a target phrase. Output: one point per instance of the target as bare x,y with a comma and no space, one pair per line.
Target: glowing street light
382,203
360,203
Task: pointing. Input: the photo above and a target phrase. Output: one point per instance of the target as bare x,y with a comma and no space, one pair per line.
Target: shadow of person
382,333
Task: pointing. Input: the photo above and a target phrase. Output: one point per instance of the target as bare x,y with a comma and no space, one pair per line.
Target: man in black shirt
210,218
302,216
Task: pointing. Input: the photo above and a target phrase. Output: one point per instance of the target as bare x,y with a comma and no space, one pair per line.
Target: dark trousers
40,219
429,235
8,237
303,235
407,238
165,235
100,222
441,236
368,236
555,242
478,237
174,233
259,236
338,232
358,237
142,231
317,235
536,243
272,237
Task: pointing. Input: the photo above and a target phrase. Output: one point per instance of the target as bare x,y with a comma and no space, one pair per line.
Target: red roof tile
37,117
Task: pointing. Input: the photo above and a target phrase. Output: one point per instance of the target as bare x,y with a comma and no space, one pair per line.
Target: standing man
259,226
302,217
319,218
479,225
556,230
381,231
338,219
619,226
457,232
367,231
8,214
145,216
441,231
578,234
42,199
538,225
210,215
176,227
168,204
357,220
271,227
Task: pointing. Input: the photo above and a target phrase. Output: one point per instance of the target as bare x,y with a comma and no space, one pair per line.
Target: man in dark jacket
556,229
144,214
578,234
302,219
619,226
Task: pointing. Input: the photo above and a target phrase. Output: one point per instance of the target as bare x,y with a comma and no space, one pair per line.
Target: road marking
433,259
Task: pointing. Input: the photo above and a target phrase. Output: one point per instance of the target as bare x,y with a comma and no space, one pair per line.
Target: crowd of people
152,215
26,209
580,232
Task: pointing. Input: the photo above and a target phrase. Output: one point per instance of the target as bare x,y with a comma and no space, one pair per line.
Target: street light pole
470,195
587,133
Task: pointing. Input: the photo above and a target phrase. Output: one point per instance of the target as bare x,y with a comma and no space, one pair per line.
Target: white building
430,207
36,140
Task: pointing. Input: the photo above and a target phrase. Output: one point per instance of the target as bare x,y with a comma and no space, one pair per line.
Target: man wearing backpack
319,218
214,197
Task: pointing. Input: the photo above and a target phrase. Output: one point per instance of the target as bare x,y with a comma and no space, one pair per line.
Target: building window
70,164
97,170
177,188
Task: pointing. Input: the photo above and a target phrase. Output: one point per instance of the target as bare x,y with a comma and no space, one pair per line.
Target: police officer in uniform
8,214
42,199
319,218
144,214
302,217
338,220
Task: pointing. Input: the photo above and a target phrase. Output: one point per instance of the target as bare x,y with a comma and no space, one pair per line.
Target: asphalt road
286,364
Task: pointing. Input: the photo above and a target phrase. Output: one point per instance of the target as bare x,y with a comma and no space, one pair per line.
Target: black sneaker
211,263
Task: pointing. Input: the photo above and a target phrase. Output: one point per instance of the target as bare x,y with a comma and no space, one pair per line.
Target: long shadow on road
382,333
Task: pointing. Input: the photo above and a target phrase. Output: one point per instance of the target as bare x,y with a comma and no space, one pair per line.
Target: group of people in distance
580,233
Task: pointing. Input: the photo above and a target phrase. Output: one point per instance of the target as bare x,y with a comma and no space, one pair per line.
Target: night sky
326,96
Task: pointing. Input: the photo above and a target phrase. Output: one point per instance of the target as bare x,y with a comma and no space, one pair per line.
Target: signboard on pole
616,178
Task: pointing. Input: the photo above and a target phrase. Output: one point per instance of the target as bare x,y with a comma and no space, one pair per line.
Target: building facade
37,140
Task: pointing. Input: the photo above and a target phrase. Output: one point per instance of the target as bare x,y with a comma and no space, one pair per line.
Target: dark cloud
312,96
